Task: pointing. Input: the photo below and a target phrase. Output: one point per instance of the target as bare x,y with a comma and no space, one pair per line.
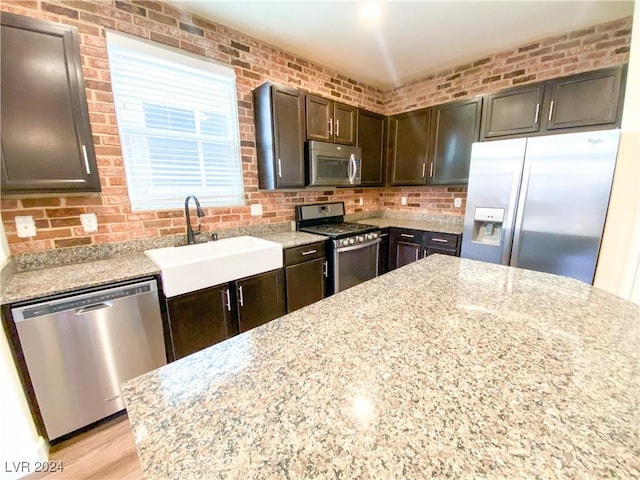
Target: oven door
354,264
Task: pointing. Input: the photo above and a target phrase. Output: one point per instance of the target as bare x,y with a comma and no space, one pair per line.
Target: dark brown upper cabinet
47,144
454,127
330,121
408,147
515,111
279,122
371,139
583,100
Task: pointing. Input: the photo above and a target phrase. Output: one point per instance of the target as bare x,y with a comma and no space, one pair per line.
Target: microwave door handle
352,168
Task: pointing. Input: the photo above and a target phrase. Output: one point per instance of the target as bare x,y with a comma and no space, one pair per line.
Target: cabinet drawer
441,251
448,241
406,235
304,253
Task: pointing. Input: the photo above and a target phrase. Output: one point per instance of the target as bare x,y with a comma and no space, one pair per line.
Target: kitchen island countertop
443,368
38,283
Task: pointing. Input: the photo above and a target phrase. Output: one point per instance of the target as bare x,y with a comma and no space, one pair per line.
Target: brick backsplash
57,218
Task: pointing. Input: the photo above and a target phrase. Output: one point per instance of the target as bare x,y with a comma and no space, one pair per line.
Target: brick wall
255,62
599,46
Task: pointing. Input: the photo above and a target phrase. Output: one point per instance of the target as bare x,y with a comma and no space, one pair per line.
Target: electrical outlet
25,227
403,200
361,201
256,210
457,202
89,222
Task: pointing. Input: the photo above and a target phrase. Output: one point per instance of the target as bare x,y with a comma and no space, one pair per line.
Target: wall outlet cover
89,222
403,200
256,210
457,202
25,226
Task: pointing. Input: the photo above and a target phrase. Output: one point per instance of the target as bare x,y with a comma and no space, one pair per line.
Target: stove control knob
361,238
374,235
369,236
352,241
344,242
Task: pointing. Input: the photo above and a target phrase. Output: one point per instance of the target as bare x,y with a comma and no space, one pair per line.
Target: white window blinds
178,123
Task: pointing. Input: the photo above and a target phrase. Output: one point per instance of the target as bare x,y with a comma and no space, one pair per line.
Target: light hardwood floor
106,452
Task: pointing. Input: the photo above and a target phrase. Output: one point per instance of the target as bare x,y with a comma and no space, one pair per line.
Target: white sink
192,267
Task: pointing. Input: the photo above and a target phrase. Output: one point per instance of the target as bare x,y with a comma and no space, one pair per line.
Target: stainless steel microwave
330,164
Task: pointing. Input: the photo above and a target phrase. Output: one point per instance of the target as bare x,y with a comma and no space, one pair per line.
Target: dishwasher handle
93,308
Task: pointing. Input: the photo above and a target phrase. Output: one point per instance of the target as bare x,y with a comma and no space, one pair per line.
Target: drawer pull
440,240
309,252
383,235
326,269
406,235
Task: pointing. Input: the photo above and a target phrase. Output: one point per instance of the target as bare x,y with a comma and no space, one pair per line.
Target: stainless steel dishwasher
79,349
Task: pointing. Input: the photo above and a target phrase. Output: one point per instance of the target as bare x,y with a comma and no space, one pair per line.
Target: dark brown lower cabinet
260,299
305,272
200,319
383,252
205,317
407,246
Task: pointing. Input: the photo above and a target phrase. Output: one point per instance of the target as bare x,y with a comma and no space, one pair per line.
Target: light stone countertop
43,282
455,225
443,368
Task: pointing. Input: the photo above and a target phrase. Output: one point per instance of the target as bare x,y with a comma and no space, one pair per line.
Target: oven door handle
355,247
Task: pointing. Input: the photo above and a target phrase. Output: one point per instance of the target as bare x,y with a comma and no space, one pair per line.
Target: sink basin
192,267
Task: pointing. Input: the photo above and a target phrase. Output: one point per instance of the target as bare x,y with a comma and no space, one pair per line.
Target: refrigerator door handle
522,197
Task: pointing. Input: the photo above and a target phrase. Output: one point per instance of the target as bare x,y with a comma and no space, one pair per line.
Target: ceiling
410,38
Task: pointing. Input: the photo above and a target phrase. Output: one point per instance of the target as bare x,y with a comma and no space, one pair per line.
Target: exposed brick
149,5
228,50
566,45
59,10
444,85
528,78
40,202
515,73
164,39
553,56
483,61
582,33
128,7
612,43
81,5
72,242
455,76
240,46
528,48
159,17
622,33
517,58
491,79
294,66
460,94
622,50
191,29
251,75
540,52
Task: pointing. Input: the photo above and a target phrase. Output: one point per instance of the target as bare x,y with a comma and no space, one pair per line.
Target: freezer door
494,183
563,202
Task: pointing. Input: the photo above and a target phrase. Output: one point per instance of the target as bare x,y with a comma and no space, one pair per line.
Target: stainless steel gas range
353,256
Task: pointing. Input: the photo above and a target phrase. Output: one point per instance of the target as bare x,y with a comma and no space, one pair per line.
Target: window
178,123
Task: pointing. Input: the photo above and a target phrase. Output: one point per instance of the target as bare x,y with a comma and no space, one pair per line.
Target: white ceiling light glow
370,11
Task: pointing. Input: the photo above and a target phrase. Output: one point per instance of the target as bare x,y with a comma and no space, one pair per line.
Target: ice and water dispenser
487,226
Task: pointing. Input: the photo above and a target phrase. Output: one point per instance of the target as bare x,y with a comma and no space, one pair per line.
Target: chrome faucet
190,234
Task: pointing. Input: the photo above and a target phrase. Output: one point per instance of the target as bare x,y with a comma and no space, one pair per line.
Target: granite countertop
38,283
443,368
453,225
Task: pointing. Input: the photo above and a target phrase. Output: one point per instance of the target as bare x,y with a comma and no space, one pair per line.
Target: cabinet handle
551,110
431,171
441,240
383,235
240,296
279,168
226,293
424,167
537,113
406,235
424,253
86,159
309,252
330,126
326,269
337,128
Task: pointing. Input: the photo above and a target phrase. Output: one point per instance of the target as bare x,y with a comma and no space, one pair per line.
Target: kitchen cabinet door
454,127
405,246
279,122
345,123
582,100
330,121
200,319
409,141
320,119
445,243
305,283
260,299
47,145
515,111
370,138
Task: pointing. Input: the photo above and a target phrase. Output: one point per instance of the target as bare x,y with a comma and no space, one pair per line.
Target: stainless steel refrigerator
540,203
